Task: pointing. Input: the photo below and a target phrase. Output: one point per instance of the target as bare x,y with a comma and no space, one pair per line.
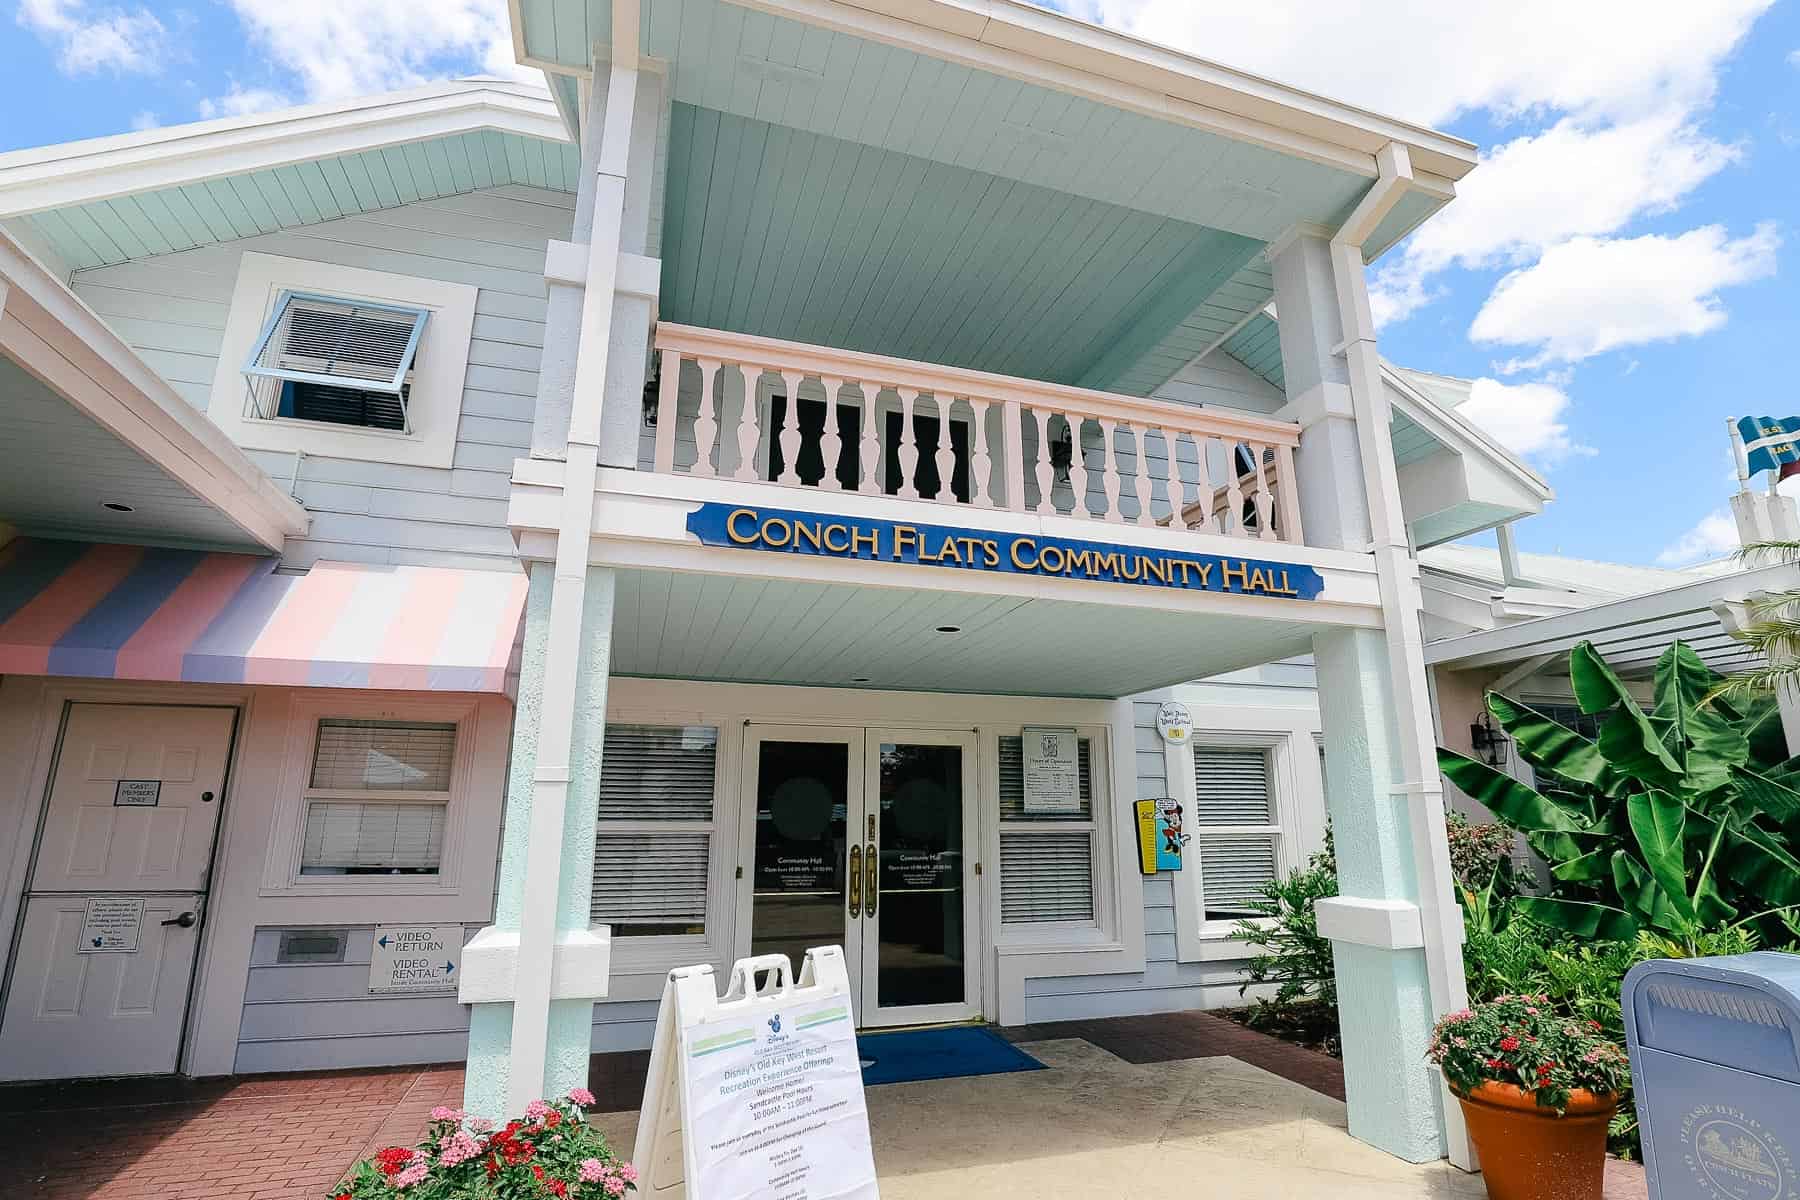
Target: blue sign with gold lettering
784,531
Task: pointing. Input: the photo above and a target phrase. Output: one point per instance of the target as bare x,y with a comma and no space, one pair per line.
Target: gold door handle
873,861
855,881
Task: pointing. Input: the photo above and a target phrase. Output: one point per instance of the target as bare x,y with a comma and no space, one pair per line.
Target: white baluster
1078,475
1046,473
1177,486
1142,483
831,446
1013,456
981,464
748,435
1234,491
909,450
870,482
945,458
667,392
1287,494
1265,503
1203,488
1109,461
790,429
706,423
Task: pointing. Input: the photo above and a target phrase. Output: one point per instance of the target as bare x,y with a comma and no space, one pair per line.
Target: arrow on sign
383,942
449,967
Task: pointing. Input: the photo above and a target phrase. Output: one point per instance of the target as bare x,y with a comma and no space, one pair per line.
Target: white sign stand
769,1082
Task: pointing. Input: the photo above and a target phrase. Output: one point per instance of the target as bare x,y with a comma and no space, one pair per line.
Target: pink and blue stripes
125,612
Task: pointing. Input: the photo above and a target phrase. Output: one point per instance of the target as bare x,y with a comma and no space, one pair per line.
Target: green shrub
1292,954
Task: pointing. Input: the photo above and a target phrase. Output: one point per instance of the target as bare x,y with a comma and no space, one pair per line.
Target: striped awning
125,612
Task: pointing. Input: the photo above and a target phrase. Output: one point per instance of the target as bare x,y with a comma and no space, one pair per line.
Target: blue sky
1618,274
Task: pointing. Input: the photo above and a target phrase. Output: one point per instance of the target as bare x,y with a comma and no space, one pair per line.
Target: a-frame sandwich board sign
756,1094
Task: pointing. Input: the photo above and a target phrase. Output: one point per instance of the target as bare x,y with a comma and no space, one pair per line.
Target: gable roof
111,199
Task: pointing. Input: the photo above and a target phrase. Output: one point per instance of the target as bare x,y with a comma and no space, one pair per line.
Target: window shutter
326,358
656,879
1231,787
658,773
1012,783
384,756
1046,877
350,835
1233,869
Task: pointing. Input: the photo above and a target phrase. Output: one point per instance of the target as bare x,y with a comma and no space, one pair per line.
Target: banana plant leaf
1631,742
1643,897
1583,868
1659,823
1516,804
1757,863
1696,734
1550,745
1764,794
1580,918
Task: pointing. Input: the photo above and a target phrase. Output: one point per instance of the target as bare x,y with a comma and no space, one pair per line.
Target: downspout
1397,573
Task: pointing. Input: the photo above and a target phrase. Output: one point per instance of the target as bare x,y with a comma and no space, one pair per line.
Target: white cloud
1614,59
88,40
145,120
1590,295
351,47
241,101
1714,537
1526,418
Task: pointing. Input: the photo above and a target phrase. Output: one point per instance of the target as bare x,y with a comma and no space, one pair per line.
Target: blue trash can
1715,1061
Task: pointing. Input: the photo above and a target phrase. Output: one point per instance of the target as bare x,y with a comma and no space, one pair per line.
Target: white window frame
656,955
282,874
434,400
1289,738
1102,929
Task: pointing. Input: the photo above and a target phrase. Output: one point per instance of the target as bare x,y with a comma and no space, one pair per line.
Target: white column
533,976
1395,926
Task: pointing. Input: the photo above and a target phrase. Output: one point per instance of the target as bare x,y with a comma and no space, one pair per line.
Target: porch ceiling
680,625
58,467
784,233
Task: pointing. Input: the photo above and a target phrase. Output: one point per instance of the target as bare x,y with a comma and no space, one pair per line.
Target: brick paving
290,1137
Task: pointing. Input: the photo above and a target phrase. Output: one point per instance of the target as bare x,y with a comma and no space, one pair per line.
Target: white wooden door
111,922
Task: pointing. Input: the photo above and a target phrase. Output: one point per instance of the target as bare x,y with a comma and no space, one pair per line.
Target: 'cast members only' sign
783,531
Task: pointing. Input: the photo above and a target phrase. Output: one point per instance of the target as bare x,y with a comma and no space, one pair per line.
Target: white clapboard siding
172,309
1165,984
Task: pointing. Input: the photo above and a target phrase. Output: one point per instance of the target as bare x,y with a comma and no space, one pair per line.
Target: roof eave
50,332
49,177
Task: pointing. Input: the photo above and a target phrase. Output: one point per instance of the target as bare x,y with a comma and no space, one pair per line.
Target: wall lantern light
1489,742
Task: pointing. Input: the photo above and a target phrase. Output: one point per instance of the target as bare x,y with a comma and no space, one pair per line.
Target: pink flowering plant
551,1152
1524,1041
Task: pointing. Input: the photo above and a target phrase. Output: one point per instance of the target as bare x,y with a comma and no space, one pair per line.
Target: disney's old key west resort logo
1733,1156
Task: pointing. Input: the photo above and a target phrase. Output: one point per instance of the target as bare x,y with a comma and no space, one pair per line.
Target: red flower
539,1172
558,1187
1509,1044
393,1160
552,1119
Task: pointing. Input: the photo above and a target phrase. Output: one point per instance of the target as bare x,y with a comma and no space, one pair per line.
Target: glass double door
865,838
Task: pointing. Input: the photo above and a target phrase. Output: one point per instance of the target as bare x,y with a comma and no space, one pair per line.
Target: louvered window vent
335,361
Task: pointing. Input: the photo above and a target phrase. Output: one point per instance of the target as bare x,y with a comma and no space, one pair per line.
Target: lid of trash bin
1740,1011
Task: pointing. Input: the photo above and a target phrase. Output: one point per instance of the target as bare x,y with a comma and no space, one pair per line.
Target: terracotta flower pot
1530,1153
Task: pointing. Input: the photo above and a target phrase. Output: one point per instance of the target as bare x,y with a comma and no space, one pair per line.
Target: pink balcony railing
731,406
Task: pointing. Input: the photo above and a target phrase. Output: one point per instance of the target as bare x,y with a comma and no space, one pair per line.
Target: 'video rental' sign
783,531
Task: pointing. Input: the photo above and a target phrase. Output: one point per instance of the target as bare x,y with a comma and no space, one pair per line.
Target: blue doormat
916,1054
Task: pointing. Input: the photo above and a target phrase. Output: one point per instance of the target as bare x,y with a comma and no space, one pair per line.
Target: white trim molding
580,964
1383,924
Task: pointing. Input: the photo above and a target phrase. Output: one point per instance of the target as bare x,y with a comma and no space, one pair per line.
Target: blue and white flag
1769,442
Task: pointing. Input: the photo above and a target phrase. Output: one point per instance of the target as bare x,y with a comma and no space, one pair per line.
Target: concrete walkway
1184,1105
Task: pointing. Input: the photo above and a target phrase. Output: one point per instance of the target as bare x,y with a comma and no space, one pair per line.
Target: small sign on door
415,958
111,925
137,793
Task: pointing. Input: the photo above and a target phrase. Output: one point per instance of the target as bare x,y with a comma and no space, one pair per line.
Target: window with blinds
653,840
377,798
1236,828
1046,860
337,361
